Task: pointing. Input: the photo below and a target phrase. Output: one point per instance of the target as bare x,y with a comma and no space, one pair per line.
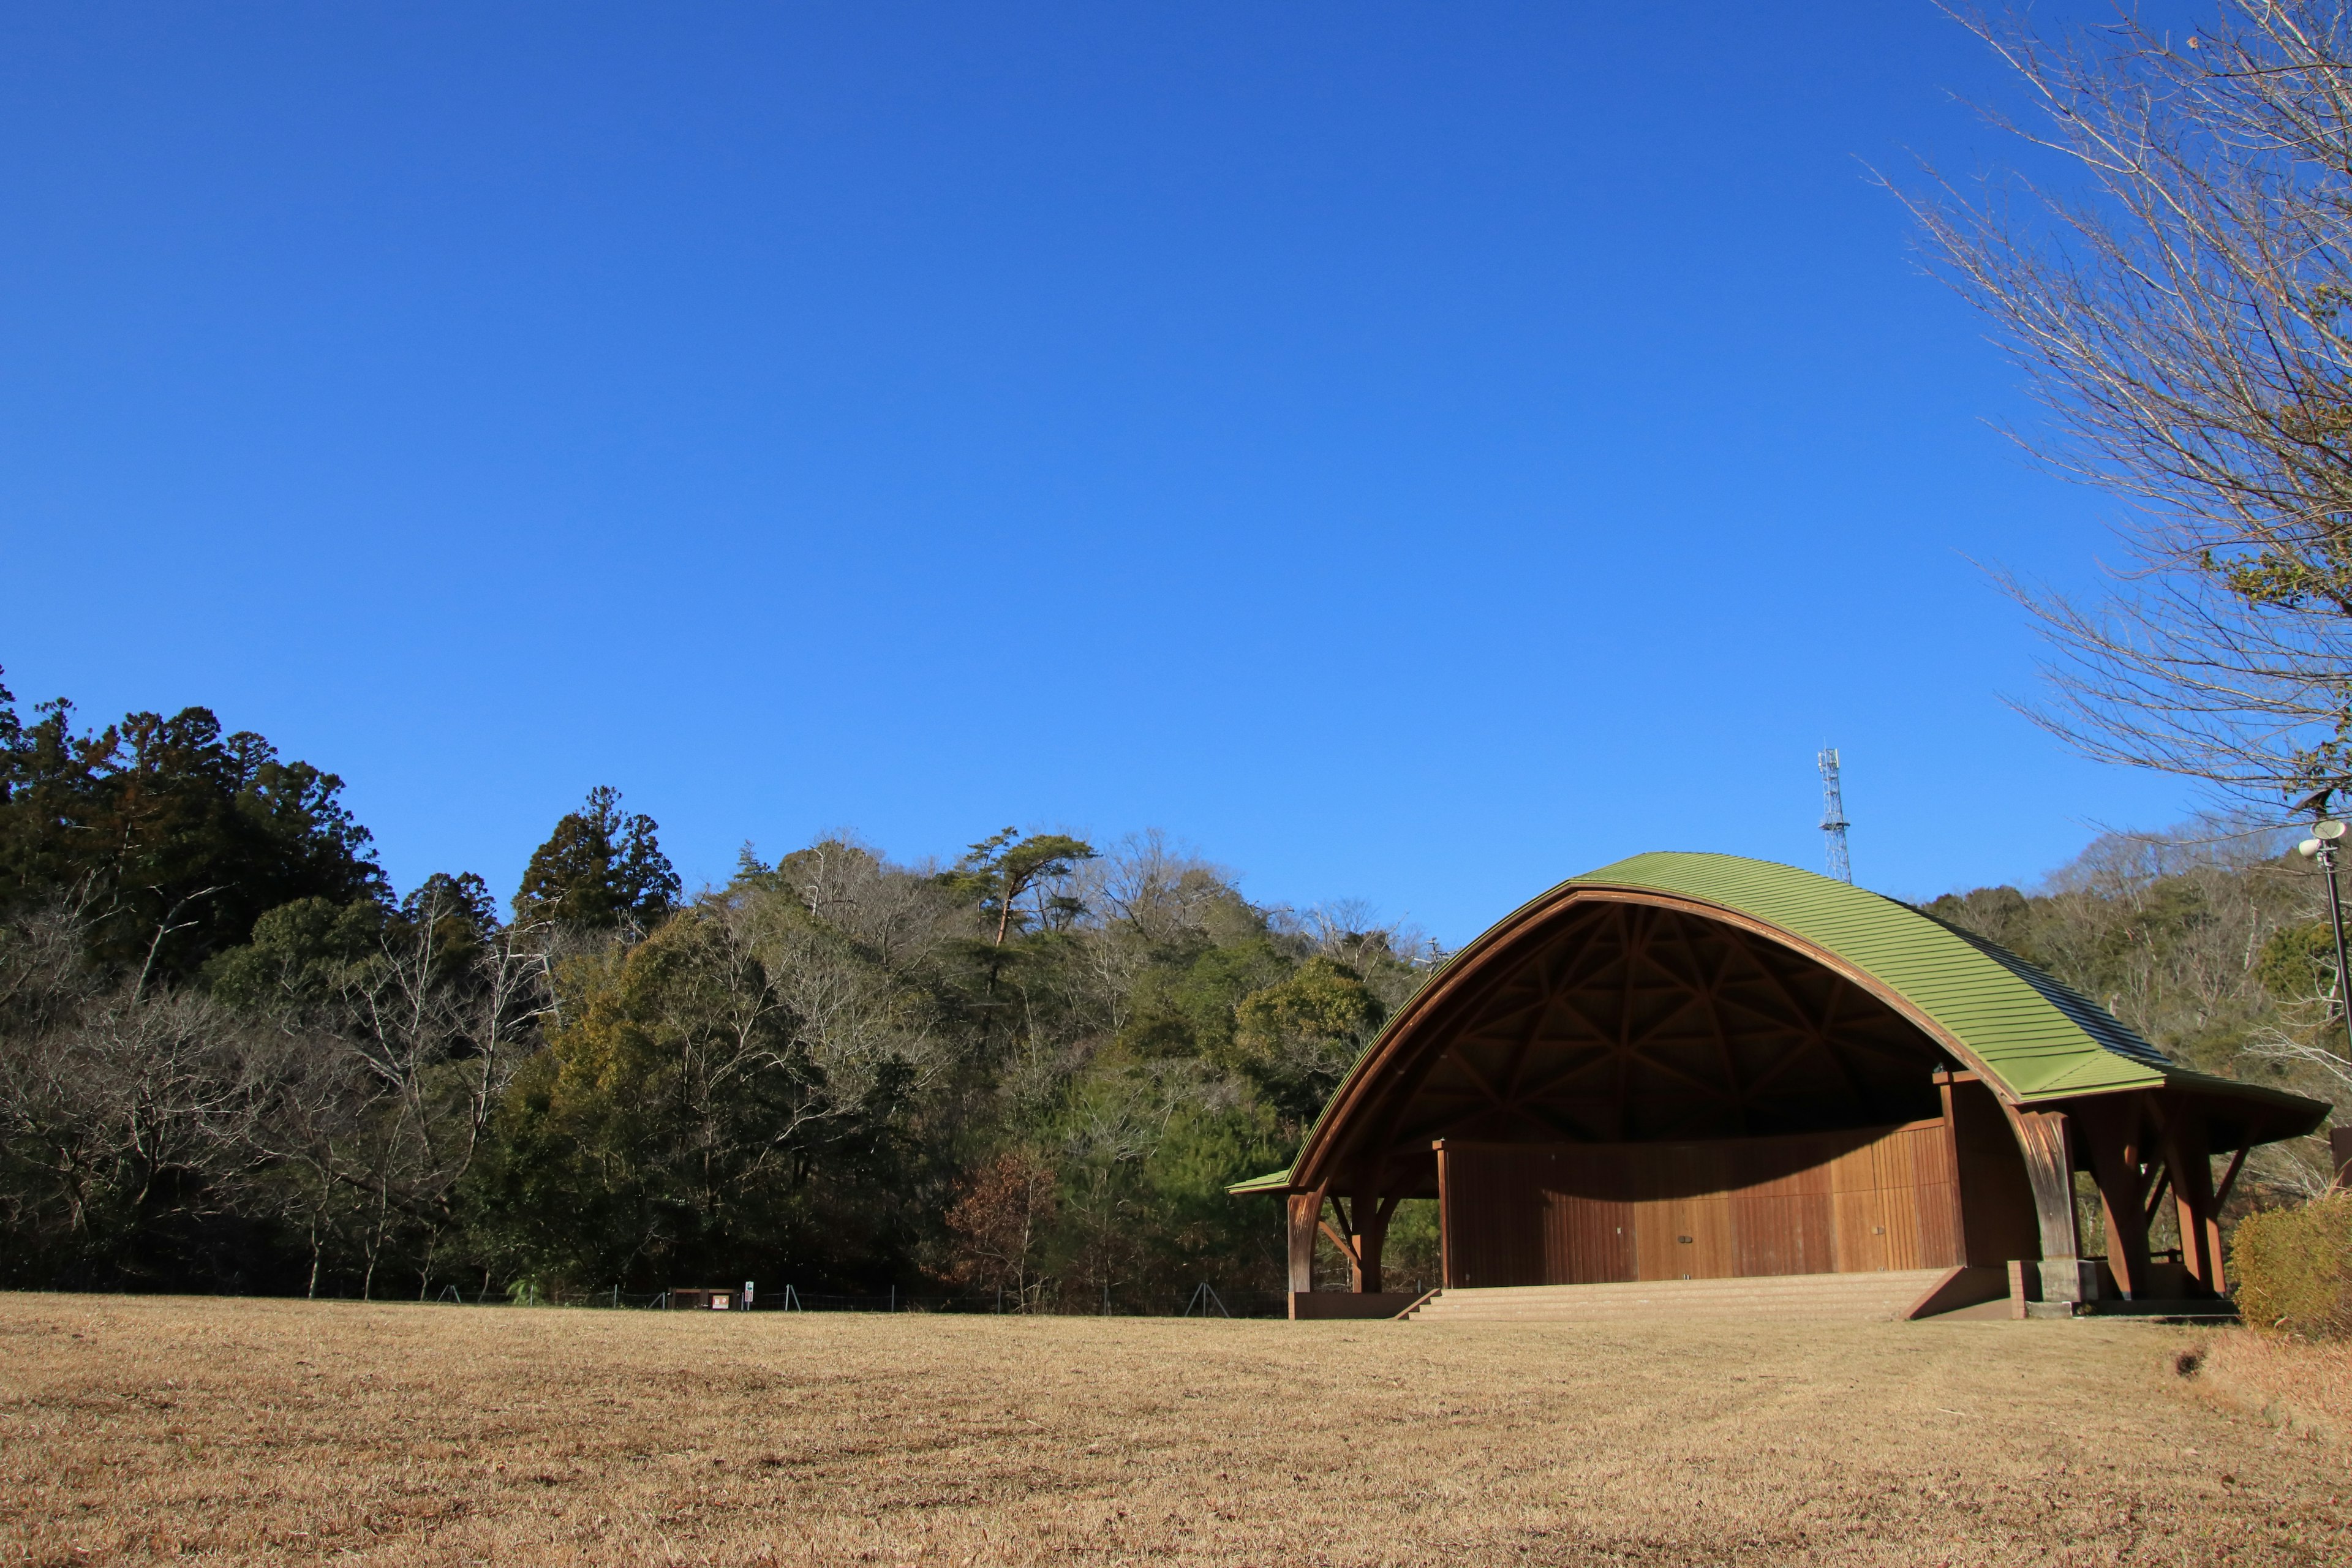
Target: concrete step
1819,1297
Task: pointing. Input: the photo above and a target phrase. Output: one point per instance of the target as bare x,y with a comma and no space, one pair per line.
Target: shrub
2294,1268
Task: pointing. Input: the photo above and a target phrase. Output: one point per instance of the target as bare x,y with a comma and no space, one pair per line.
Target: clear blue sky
1410,452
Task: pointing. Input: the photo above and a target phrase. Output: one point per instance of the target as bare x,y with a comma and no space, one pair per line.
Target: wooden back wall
1813,1203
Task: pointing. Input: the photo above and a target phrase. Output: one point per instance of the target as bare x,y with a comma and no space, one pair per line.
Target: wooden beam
2230,1177
2042,1139
2111,1134
1305,1212
1372,1216
1604,1054
2192,1196
1626,918
1828,1048
1584,939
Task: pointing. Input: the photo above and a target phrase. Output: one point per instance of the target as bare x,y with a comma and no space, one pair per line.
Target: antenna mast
1834,822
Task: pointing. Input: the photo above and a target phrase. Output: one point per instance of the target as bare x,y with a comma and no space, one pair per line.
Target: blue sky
1409,452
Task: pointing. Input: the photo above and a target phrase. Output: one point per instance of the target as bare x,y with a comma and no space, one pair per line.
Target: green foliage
1183,1005
1002,867
1412,1255
170,837
715,1097
650,1132
2293,1268
599,869
1296,1040
313,952
302,953
2298,962
1038,1069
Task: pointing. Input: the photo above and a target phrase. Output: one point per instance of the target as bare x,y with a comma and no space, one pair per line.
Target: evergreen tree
599,869
170,837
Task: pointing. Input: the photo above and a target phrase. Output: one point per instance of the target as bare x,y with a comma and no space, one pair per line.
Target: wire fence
1203,1300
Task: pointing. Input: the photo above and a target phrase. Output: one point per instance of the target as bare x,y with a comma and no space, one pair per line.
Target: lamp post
2321,846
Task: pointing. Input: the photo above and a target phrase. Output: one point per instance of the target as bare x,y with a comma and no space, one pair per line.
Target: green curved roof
2038,1036
2035,1036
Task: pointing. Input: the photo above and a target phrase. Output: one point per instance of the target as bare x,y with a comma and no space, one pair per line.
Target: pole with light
2321,846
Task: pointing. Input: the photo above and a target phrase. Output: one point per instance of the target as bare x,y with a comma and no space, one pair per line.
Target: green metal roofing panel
1272,1182
2039,1037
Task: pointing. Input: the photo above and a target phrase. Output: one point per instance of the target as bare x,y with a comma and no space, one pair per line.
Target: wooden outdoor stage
1695,1068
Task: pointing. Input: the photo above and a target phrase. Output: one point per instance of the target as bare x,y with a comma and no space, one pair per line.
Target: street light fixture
2321,846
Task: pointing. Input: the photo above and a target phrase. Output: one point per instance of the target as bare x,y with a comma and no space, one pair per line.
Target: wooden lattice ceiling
1633,1022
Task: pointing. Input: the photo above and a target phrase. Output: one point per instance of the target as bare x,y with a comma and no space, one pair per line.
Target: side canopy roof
2029,1037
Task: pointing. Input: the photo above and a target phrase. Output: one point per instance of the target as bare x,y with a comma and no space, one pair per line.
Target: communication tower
1834,822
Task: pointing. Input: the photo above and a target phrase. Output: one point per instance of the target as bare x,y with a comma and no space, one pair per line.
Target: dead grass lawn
2305,1388
275,1431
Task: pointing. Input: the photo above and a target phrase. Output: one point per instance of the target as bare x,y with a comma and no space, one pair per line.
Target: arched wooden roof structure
1676,998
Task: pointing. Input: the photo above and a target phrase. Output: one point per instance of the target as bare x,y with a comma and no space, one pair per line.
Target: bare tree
126,1119
385,1085
440,1033
2177,297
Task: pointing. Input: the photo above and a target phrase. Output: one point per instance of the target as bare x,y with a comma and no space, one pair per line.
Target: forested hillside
2212,941
233,1058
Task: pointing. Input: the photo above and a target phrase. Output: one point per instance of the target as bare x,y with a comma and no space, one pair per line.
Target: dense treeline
232,1058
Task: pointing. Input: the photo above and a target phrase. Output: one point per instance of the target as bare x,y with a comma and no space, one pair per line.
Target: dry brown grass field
285,1431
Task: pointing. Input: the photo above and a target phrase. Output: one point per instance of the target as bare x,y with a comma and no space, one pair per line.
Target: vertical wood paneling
1588,1221
1859,1202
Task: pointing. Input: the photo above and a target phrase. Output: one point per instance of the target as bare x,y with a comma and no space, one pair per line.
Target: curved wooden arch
1373,1106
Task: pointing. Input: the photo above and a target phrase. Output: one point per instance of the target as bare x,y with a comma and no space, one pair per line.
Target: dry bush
288,1431
2293,1268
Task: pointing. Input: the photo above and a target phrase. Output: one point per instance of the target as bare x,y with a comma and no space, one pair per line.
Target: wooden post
2339,1148
1372,1216
1351,1243
1444,1218
2191,1162
2111,1126
2041,1139
1305,1214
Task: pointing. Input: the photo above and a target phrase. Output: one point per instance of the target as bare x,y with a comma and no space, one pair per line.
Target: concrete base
1311,1304
2070,1280
2188,1310
2177,1309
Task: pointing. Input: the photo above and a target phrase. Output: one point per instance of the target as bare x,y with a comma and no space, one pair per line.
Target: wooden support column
1372,1216
1306,1214
1364,1258
2190,1160
2043,1138
2111,1125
